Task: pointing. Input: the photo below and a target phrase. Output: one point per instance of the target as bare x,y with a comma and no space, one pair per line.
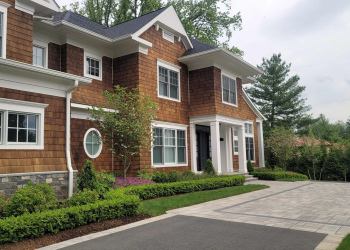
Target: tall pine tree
279,97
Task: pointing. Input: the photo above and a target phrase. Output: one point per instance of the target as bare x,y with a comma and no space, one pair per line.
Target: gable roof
119,30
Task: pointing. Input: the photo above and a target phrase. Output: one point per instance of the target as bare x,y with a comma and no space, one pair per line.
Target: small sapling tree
126,124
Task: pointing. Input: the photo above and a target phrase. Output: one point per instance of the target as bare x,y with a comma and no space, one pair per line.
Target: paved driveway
321,207
315,209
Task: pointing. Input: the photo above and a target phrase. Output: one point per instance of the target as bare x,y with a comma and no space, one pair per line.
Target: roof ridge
139,17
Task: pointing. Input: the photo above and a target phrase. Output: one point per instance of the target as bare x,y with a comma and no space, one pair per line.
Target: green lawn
161,205
345,244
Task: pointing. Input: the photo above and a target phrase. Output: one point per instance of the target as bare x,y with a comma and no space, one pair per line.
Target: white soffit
222,59
26,77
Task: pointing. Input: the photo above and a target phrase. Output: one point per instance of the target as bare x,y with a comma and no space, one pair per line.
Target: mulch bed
49,239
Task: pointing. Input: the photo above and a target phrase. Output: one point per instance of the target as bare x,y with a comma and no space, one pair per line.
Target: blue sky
313,35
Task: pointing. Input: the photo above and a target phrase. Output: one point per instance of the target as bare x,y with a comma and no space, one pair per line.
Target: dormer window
168,36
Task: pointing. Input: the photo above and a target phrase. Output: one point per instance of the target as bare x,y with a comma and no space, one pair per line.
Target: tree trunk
313,166
309,174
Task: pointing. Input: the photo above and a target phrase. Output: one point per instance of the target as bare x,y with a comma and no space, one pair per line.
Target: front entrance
203,146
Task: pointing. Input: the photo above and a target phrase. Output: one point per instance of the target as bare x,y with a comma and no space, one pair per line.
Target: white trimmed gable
170,21
45,8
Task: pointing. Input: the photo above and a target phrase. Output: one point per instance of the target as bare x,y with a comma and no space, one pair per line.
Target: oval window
92,143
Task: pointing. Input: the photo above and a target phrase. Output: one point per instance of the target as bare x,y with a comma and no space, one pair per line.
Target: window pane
181,155
232,98
234,130
170,155
39,52
232,85
31,135
22,121
169,137
246,128
158,154
158,136
181,138
22,135
225,95
95,138
163,89
236,146
250,128
89,148
12,135
173,78
173,91
89,137
225,83
12,120
31,121
95,148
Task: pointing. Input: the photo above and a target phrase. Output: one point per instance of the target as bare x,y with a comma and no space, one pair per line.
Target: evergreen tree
279,97
202,19
347,129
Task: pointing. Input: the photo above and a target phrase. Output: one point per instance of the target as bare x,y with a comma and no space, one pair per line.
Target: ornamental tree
126,123
282,145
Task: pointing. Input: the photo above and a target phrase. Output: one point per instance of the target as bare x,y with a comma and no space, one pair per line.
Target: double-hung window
229,90
93,66
168,81
249,142
21,124
3,27
169,146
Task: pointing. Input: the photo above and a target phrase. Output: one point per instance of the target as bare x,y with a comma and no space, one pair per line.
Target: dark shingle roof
118,30
198,47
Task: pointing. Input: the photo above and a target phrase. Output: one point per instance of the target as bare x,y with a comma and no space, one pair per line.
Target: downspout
68,157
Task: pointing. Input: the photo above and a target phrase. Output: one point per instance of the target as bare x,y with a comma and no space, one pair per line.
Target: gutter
68,156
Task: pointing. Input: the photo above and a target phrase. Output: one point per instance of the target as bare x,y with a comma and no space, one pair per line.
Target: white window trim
166,37
172,67
250,136
168,125
233,77
3,10
95,57
45,47
23,107
101,146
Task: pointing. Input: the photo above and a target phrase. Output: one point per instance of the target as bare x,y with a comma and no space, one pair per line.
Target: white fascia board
79,111
5,5
252,106
217,53
43,71
85,107
203,119
50,4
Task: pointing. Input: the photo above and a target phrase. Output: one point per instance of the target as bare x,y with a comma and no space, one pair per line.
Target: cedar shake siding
53,156
19,34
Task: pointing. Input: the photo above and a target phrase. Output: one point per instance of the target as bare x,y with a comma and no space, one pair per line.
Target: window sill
99,78
231,104
170,165
168,98
21,146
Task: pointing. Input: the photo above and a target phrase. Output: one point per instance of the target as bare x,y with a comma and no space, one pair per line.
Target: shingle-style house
55,65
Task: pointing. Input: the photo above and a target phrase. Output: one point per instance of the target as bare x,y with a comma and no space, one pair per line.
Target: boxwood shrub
13,229
277,175
167,189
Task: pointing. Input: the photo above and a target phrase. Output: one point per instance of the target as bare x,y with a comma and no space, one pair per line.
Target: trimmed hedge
277,175
14,229
167,189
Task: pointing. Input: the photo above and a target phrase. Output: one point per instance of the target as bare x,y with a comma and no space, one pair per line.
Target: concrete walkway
320,208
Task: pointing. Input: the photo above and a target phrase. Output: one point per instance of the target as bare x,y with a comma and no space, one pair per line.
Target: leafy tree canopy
279,97
205,20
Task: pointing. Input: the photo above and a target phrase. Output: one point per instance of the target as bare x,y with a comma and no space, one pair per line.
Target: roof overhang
45,8
223,59
26,77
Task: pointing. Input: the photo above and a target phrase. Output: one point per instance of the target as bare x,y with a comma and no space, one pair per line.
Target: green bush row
166,189
14,229
277,175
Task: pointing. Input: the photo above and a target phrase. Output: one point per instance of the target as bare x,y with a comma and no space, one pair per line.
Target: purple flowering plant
130,181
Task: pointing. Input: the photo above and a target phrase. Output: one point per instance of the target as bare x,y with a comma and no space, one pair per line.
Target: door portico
221,152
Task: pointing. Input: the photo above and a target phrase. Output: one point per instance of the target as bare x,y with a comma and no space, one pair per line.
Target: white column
261,144
193,147
241,149
215,146
228,140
